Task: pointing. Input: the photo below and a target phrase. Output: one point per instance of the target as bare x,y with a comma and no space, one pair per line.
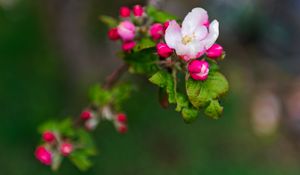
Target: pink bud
113,34
43,155
215,51
66,148
157,31
122,129
126,30
163,50
166,25
121,118
124,12
198,70
138,10
85,115
128,46
48,136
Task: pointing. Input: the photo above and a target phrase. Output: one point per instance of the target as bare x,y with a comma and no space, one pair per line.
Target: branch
113,78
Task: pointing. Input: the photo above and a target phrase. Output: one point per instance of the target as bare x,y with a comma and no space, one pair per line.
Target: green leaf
87,142
189,114
164,80
213,65
66,127
99,96
145,43
109,21
201,92
143,61
158,15
48,126
80,160
182,102
214,109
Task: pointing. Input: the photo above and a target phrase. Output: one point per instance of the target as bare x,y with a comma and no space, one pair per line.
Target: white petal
212,35
191,50
200,32
173,34
193,19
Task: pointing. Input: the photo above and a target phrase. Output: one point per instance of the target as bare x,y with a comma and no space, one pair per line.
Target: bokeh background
51,51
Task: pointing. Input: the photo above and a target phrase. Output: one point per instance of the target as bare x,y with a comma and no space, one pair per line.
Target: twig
115,76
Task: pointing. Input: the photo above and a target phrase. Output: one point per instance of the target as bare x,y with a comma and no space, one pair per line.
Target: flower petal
173,34
200,32
198,16
212,35
192,50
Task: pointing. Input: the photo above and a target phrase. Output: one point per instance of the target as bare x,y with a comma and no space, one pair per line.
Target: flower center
186,39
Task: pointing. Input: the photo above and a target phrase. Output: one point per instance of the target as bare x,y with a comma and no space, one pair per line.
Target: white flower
195,37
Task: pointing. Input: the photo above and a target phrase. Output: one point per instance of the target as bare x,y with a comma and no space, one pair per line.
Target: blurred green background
51,51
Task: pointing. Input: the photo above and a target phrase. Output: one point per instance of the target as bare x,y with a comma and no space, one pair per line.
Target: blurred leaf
214,109
87,142
109,21
99,96
80,160
201,92
48,126
189,114
66,127
145,43
158,15
120,93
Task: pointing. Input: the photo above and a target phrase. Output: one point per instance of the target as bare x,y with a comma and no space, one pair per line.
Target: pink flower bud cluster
120,122
52,142
126,31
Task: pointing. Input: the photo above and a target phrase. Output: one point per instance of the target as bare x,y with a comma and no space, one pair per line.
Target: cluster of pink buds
52,143
127,29
120,121
90,119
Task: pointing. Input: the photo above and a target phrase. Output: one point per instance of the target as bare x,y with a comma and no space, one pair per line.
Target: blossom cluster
190,41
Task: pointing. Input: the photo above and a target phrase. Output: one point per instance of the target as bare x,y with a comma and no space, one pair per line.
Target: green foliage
109,21
64,127
159,16
115,96
164,80
201,93
99,96
214,109
144,43
80,160
143,61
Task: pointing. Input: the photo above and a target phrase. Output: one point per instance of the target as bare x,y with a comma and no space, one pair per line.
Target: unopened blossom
128,46
215,51
66,148
86,115
198,70
194,37
48,136
122,118
163,50
156,31
138,10
124,12
126,30
43,155
113,34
